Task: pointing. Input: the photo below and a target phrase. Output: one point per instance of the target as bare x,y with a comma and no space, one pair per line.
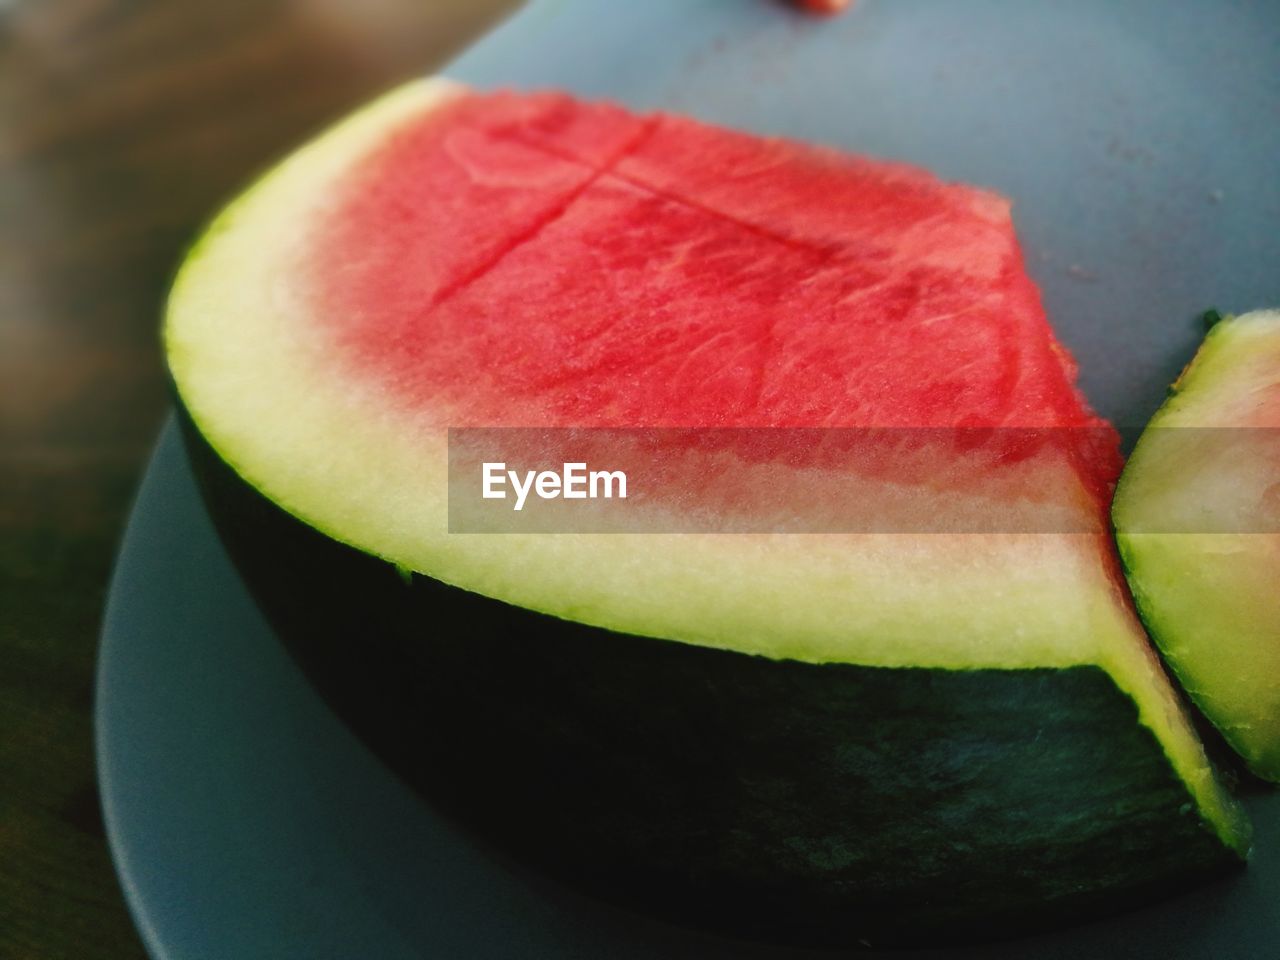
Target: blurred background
123,125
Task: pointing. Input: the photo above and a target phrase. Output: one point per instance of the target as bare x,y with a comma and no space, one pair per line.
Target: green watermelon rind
1191,647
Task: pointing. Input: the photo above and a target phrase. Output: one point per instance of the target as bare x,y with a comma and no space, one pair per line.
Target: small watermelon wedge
892,736
1197,517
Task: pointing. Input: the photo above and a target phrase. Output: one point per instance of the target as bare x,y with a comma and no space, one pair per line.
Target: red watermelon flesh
591,267
636,271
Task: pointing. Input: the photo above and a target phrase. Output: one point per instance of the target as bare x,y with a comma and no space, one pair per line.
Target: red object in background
824,7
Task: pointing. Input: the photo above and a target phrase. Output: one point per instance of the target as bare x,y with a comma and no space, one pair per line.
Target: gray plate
1141,143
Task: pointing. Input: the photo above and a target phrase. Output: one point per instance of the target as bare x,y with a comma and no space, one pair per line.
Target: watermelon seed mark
824,254
768,347
939,318
447,291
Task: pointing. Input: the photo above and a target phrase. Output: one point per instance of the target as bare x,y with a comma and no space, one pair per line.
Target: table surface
123,124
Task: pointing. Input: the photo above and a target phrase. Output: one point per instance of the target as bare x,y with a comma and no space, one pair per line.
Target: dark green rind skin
824,803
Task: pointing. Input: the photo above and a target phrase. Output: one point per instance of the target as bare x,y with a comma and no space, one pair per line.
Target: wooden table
123,124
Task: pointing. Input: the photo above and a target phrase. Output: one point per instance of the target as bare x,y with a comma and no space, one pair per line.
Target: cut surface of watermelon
614,270
452,259
426,276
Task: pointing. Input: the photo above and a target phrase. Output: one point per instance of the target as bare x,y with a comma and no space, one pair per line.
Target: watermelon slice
1197,516
898,735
